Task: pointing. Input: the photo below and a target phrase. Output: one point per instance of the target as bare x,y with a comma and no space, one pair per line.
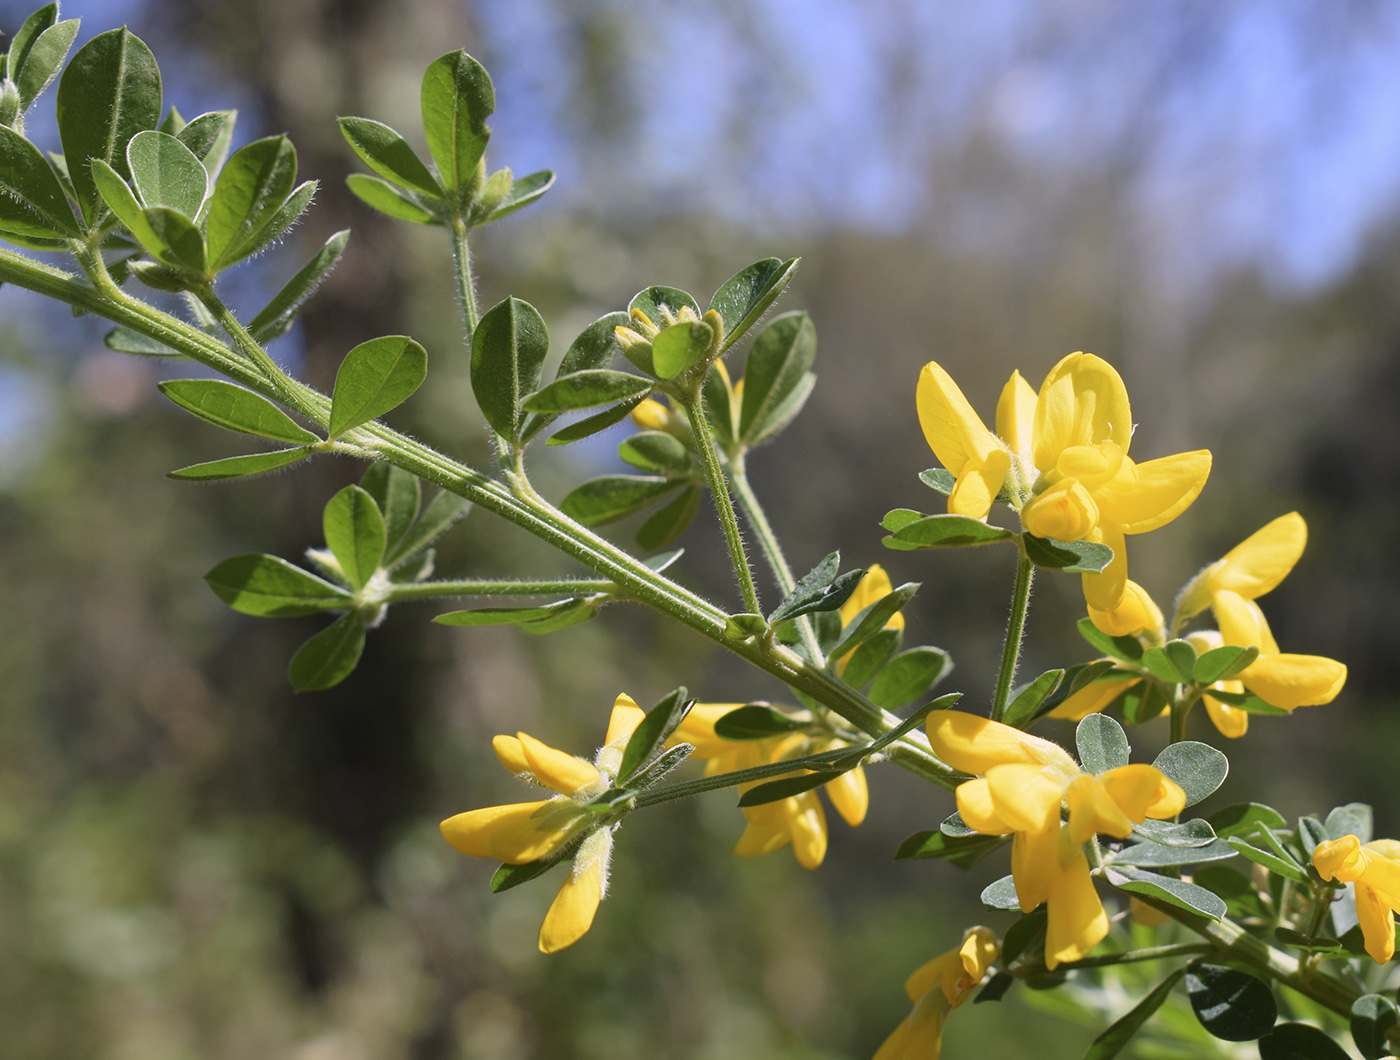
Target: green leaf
355,533
277,225
562,615
1110,1043
182,245
1281,865
939,479
1102,744
329,657
375,377
1001,895
31,199
1154,855
669,522
872,619
1021,935
1143,702
124,340
1299,1041
656,451
388,154
588,389
651,732
779,361
744,626
25,38
1297,940
457,99
1072,557
166,173
1076,678
1244,818
662,305
382,196
954,825
508,876
1197,767
1166,889
522,193
109,93
594,348
828,598
663,763
742,299
811,587
122,201
610,497
775,423
275,318
251,188
962,851
236,409
209,136
1232,1005
1373,1017
508,351
1220,664
270,587
501,616
870,658
680,347
943,531
909,675
1129,649
397,493
755,721
1183,657
1352,819
1026,706
1160,665
40,64
1241,899
786,788
442,513
239,466
1310,833
1194,833
599,421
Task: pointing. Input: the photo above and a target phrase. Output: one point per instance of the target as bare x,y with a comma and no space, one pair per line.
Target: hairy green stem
694,405
685,789
562,587
1151,953
466,289
253,350
1015,629
1181,705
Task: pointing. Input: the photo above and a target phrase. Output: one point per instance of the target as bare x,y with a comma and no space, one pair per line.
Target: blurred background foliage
194,862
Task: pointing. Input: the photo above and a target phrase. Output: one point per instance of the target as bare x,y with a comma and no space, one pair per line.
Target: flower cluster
1374,870
1023,785
936,988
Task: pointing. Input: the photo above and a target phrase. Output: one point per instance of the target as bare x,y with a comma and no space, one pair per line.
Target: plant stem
694,405
466,291
252,349
772,550
430,590
1152,953
686,789
1181,706
1015,629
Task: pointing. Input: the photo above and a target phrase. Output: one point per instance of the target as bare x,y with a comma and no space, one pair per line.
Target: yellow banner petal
1092,698
974,799
1034,857
974,744
571,913
623,721
510,754
1143,791
1016,417
1082,402
556,769
806,823
1093,811
1377,923
954,431
850,795
1104,591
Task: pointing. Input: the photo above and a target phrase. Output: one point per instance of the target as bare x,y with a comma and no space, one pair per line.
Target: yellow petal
571,913
1241,622
850,795
1135,613
1024,797
976,808
978,485
1377,923
1231,721
555,769
1383,876
978,952
651,415
920,1035
1092,810
1092,698
1143,791
1164,489
1064,511
1082,402
1104,591
510,754
762,838
1340,858
1076,921
470,832
954,431
1258,563
873,585
933,973
623,721
806,822
1291,681
1034,856
1092,465
698,729
974,744
1016,417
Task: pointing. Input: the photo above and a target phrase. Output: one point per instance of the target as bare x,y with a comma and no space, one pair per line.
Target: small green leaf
166,173
744,626
442,513
1282,865
813,587
109,93
31,198
940,479
1001,895
755,721
397,493
1241,899
382,196
663,763
1220,664
908,676
1197,767
277,225
355,534
1156,856
870,658
670,521
181,244
830,598
522,193
388,154
1077,678
742,299
270,587
239,466
1232,1005
599,421
508,876
209,136
962,851
656,451
562,615
1194,833
610,497
1102,744
251,188
587,389
662,305
1352,819
1072,557
1299,1041
1183,658
40,64
124,340
679,347
375,377
499,616
275,318
122,201
872,619
1310,834
26,37
594,348
781,357
1026,706
1129,649
508,351
1244,818
651,732
1177,892
1297,940
1110,1043
236,409
955,826
1373,1017
330,656
1021,935
1143,702
995,988
786,788
944,531
457,98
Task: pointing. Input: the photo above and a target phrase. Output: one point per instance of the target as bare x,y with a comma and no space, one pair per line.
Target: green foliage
742,299
32,202
355,533
1299,1041
1001,895
756,721
457,98
911,530
818,590
330,656
1231,1004
235,408
962,851
1170,889
1373,1017
375,377
1030,702
388,154
652,731
680,347
1071,557
508,351
778,367
277,317
587,389
1197,767
1110,1043
270,587
241,466
1102,744
871,620
909,675
252,188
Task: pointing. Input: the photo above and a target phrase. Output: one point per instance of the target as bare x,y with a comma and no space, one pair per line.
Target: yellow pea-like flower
936,988
1374,870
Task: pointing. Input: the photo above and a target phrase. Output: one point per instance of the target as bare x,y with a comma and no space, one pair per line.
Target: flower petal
1016,417
1165,488
850,795
1076,921
1377,923
933,973
571,913
1258,563
1104,591
1291,681
976,808
1241,622
978,485
1024,797
1034,857
510,754
954,431
1143,791
762,838
1340,859
1135,613
623,721
919,1036
471,831
556,769
974,744
873,585
1231,721
806,822
1092,698
1092,810
1064,511
978,952
1082,402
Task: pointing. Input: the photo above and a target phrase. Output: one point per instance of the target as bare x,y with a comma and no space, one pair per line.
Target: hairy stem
466,288
562,587
686,789
1015,630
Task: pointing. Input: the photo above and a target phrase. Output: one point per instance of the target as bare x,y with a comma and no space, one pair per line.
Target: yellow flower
1374,869
520,833
936,988
1023,784
1229,587
1089,488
